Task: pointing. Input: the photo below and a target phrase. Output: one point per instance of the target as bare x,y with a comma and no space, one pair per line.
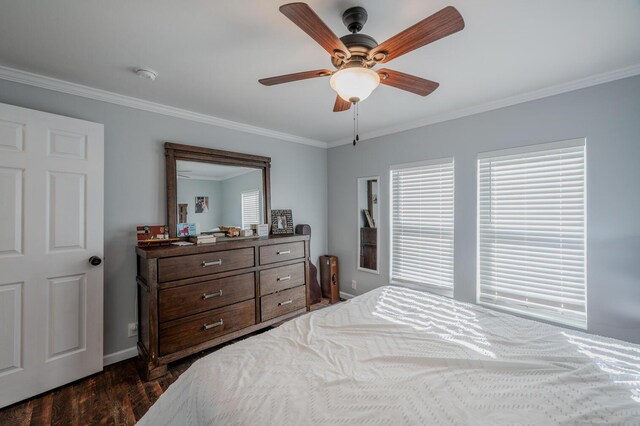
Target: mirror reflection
368,214
215,195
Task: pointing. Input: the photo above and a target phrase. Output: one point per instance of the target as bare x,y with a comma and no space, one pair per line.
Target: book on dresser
191,298
202,239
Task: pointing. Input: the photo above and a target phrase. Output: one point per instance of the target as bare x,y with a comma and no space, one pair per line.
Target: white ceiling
209,171
210,54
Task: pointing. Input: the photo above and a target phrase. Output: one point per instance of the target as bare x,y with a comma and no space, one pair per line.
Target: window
531,231
250,208
422,224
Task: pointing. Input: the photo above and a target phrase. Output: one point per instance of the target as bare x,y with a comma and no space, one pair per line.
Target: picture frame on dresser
281,222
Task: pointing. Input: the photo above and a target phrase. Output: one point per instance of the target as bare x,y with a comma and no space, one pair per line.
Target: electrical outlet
354,284
133,329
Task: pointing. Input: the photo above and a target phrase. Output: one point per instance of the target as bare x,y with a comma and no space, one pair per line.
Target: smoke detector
146,73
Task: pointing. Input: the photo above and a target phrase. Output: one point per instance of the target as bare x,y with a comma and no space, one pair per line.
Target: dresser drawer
281,252
195,265
283,302
282,278
195,329
178,302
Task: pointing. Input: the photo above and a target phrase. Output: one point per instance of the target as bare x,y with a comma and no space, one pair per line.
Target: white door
51,223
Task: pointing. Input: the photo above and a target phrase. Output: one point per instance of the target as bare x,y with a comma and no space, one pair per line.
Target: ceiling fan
355,54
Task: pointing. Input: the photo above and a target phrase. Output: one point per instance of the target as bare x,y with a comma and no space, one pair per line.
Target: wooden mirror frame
175,151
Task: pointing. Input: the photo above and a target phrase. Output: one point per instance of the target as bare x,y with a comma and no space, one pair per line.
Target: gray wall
607,115
135,189
231,196
189,189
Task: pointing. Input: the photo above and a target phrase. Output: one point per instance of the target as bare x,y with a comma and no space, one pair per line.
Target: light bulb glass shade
354,84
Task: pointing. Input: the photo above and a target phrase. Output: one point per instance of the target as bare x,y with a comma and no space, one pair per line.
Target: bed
399,356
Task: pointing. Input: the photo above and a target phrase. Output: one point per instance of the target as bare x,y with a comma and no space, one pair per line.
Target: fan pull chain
356,128
354,123
358,122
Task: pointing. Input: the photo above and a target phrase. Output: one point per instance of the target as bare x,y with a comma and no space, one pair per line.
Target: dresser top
171,250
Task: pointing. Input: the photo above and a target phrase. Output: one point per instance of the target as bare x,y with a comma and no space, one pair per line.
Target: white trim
557,89
346,296
37,80
112,358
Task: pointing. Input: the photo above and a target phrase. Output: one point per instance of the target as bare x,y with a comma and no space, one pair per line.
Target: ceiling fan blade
408,82
305,18
294,77
441,24
341,105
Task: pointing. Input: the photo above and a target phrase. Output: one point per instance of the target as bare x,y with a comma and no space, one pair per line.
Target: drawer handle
284,252
215,324
286,302
212,263
206,296
287,278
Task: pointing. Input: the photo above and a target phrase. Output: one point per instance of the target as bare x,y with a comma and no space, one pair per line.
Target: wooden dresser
193,297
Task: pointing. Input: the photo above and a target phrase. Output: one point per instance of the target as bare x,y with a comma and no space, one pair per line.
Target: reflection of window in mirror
182,213
250,208
368,223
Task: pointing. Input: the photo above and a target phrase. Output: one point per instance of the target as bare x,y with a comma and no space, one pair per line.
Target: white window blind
531,242
250,208
422,224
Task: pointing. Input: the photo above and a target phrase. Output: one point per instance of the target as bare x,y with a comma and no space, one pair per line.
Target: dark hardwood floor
116,396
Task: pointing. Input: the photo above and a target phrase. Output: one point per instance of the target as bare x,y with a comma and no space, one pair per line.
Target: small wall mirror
213,188
368,223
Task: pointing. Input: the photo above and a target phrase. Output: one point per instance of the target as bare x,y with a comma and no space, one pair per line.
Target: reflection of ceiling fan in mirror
355,54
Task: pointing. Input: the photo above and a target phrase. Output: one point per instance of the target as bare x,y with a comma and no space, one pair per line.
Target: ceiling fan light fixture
354,84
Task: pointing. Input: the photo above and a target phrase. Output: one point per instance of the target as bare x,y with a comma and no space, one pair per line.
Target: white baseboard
119,356
345,295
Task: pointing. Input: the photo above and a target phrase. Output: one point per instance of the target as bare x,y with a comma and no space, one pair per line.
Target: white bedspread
398,356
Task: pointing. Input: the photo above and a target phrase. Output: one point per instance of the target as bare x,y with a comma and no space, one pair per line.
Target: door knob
95,260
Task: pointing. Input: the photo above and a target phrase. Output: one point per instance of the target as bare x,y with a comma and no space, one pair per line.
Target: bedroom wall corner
606,115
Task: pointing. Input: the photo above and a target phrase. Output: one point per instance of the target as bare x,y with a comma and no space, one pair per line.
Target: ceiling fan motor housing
354,18
359,46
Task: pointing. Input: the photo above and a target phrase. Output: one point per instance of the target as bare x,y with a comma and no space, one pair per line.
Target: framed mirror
368,223
213,188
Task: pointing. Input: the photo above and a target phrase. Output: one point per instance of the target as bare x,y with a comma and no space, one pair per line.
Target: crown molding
582,83
37,80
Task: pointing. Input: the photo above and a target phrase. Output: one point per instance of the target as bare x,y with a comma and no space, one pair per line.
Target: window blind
422,224
250,208
531,242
